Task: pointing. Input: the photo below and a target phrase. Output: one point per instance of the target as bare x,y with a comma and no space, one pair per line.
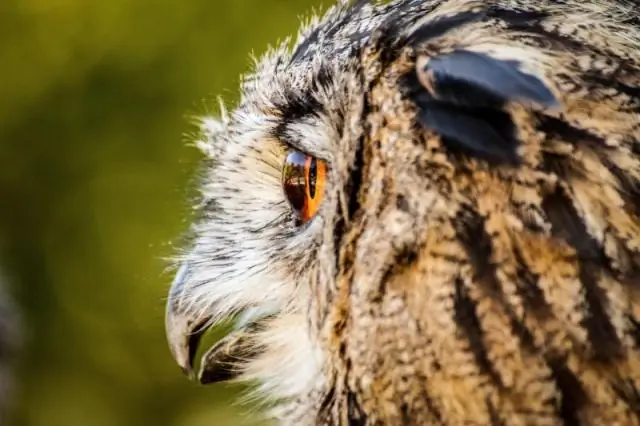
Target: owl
426,212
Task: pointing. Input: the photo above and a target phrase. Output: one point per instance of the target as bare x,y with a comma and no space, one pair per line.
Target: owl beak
184,327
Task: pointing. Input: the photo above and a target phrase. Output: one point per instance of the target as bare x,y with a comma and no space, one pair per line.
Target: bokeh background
95,179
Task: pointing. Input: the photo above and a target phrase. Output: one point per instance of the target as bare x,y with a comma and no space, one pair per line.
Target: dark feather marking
348,17
530,22
469,324
403,258
575,135
528,288
503,79
353,190
494,416
334,405
608,82
635,333
405,414
356,179
629,270
431,407
516,19
630,189
295,106
477,244
628,392
328,400
567,225
388,40
299,104
439,27
582,137
355,413
572,392
316,35
605,343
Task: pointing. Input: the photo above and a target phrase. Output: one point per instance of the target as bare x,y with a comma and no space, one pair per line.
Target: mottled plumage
476,257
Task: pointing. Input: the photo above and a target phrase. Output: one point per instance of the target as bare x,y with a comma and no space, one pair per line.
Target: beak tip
183,333
180,326
178,333
188,372
180,353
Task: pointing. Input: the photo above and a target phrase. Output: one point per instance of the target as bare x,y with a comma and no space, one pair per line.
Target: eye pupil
303,179
312,178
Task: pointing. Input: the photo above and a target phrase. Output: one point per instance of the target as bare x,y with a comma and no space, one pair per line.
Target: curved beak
184,327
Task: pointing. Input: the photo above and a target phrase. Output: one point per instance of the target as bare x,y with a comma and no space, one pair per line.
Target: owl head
412,204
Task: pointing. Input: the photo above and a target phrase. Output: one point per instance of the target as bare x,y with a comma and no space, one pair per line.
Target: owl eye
303,178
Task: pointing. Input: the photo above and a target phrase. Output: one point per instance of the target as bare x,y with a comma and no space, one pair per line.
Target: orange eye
303,178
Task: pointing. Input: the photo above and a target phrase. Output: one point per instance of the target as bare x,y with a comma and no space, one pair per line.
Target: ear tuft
452,76
483,133
462,96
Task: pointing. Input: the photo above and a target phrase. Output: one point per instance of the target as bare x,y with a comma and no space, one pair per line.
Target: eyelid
307,135
297,145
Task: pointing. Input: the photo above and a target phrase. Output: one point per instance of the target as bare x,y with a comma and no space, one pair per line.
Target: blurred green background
94,183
